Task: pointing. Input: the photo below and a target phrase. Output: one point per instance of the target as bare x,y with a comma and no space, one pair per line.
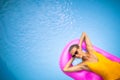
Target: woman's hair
72,46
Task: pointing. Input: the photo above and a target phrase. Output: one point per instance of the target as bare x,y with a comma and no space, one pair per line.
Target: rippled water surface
34,32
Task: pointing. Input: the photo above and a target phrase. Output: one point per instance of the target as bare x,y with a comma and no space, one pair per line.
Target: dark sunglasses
76,52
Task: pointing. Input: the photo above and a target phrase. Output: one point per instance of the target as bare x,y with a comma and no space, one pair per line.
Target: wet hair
72,46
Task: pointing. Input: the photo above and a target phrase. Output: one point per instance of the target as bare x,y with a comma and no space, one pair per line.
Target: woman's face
73,51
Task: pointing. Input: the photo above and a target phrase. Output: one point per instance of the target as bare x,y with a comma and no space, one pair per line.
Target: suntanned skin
87,56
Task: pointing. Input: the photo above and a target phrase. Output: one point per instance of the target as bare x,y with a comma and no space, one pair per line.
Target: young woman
92,61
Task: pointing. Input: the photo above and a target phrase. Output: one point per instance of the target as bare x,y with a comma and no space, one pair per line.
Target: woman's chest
92,58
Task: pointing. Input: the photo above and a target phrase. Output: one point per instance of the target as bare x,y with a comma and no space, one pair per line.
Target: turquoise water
34,32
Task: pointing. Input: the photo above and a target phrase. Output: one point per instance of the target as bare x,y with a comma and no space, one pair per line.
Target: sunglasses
76,52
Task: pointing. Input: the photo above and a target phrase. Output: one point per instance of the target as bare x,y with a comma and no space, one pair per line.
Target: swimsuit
106,68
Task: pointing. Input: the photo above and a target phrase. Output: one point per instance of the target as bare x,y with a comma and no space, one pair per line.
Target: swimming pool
33,34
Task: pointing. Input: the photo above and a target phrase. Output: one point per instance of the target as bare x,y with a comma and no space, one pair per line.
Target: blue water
34,32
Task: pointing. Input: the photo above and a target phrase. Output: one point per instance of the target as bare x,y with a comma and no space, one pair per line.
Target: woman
92,61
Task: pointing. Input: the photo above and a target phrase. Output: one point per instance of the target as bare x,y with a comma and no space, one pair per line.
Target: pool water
33,34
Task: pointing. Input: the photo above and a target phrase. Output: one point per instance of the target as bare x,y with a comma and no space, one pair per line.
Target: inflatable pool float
83,74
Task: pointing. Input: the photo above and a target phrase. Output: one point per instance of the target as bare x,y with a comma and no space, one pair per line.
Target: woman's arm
69,68
88,43
81,40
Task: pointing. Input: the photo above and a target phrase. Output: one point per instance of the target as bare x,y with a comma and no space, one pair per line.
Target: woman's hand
83,33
